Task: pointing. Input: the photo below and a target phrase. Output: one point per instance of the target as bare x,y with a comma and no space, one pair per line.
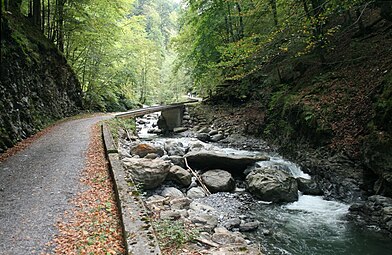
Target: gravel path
36,184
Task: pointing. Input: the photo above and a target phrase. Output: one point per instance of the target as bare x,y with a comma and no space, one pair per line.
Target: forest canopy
129,52
236,43
119,49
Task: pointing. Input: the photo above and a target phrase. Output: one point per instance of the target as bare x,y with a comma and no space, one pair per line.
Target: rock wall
37,86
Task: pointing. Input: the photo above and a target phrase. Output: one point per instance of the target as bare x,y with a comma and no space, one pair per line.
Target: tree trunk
306,9
37,13
30,15
48,18
5,5
43,16
274,11
241,25
60,25
230,24
318,9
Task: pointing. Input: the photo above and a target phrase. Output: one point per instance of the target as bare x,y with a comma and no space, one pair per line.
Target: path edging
138,234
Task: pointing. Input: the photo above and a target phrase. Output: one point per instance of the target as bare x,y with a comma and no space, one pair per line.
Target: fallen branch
198,178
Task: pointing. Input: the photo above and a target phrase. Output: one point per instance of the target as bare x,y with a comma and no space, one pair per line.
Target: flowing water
314,226
310,226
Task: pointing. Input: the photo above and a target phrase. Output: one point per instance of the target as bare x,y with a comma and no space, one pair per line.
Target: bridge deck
151,109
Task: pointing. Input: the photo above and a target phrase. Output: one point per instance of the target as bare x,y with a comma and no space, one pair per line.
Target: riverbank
234,214
339,175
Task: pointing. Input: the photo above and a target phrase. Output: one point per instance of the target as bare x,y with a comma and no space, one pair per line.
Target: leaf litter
93,226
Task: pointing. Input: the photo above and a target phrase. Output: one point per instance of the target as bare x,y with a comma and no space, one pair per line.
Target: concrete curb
139,236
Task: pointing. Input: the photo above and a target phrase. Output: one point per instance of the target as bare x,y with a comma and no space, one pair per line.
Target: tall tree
37,13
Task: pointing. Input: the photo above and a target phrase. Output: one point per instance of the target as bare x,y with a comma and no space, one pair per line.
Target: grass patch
118,125
173,235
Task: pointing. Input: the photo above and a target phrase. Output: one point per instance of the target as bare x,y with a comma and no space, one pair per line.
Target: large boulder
217,137
205,160
195,192
177,160
149,173
143,149
272,184
172,192
218,181
376,210
309,187
174,148
225,237
203,137
180,176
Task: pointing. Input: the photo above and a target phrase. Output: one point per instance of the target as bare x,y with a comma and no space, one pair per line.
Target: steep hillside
335,117
342,108
37,86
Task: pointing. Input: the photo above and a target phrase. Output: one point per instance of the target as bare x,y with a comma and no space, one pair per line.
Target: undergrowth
173,235
118,125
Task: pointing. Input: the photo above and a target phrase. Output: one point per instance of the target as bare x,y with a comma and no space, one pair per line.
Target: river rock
154,131
149,173
179,129
202,220
204,130
232,223
174,148
141,121
143,149
204,159
225,237
180,203
151,156
249,226
377,151
172,192
203,137
199,207
270,184
376,210
162,125
308,187
237,250
180,176
213,132
218,181
195,192
173,214
177,160
217,137
196,145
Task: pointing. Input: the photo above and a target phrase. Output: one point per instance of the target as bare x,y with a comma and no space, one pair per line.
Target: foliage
172,235
119,49
234,40
118,124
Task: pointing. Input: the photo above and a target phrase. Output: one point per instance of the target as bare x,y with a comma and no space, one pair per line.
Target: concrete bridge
171,115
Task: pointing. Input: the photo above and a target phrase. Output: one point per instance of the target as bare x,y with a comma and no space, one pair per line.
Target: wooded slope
37,85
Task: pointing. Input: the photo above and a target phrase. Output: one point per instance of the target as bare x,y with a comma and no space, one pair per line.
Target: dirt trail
36,183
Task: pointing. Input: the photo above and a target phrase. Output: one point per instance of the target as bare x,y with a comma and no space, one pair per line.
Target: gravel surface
36,184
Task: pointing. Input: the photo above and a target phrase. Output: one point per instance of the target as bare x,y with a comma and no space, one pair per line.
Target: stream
309,226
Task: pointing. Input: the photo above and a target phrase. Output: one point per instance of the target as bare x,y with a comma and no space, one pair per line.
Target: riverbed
311,225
